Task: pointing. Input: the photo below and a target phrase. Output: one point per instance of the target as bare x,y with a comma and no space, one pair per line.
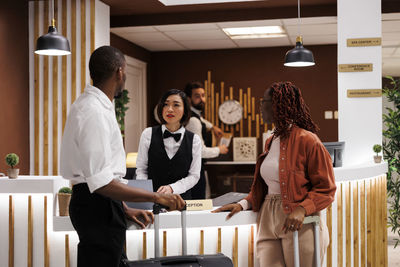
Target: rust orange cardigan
305,174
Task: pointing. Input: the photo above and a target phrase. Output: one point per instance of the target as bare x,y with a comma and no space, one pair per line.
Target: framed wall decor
244,149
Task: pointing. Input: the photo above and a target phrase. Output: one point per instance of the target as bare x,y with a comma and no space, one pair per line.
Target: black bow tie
176,136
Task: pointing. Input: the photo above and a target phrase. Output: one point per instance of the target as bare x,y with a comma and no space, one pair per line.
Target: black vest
163,170
207,135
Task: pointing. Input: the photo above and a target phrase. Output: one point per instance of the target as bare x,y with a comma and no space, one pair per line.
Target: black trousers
101,225
199,190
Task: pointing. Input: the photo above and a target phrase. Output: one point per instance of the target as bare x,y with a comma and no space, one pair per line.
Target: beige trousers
274,247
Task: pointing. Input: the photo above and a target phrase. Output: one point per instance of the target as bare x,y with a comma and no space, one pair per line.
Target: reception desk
31,233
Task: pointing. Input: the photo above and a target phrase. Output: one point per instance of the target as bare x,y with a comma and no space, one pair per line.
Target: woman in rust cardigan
293,179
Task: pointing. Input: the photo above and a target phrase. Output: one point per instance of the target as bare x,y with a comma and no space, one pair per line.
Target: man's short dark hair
186,107
103,62
190,86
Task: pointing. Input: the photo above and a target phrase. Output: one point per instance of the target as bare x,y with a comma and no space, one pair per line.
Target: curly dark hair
288,107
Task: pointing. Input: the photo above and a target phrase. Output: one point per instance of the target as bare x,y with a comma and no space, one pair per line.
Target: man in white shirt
200,126
93,159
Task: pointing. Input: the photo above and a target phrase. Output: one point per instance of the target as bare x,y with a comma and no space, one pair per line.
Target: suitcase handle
178,260
307,220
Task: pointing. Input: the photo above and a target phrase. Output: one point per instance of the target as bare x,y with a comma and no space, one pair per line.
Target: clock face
230,112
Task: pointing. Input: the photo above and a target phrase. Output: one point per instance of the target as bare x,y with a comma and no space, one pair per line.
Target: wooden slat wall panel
348,224
30,232
355,225
362,222
67,261
329,225
10,231
369,236
385,220
36,93
144,246
56,91
45,95
83,45
46,240
339,225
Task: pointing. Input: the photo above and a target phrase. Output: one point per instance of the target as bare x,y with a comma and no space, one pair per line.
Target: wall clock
230,112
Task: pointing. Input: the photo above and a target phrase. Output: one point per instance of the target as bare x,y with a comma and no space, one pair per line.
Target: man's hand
141,217
223,149
217,132
165,189
233,208
294,220
172,201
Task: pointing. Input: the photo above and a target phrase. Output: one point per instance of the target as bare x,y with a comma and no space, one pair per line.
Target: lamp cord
298,14
52,14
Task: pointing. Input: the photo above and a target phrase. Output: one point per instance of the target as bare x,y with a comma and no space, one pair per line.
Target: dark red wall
256,68
14,85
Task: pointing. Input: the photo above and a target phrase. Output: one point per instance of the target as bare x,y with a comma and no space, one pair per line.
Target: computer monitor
336,150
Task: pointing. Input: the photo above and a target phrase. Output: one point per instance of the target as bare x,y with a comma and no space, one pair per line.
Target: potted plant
12,159
64,197
377,149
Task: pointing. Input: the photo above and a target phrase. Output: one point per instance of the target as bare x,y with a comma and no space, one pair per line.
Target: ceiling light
299,56
197,2
255,32
52,43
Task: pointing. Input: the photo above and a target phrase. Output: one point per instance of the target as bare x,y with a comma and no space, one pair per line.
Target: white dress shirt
91,147
269,171
171,147
194,125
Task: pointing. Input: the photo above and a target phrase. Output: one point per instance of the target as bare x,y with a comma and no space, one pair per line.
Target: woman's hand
233,208
294,220
165,189
141,217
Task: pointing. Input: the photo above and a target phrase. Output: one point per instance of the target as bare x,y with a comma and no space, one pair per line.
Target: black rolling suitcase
219,260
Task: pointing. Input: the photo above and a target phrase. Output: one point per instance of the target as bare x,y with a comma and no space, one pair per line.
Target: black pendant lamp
299,56
52,43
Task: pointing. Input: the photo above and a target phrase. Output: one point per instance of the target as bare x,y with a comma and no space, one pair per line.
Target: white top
194,125
91,147
171,147
269,171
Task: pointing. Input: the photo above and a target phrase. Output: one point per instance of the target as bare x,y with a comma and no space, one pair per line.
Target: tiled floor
393,253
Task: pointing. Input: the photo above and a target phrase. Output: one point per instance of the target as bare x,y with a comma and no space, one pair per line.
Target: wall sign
364,92
355,67
364,42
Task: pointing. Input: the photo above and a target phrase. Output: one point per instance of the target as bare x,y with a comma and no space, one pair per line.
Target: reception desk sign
364,42
355,67
199,204
364,92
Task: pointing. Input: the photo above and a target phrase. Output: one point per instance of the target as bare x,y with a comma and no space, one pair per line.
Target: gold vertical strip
216,109
258,126
222,91
375,232
250,256
356,239
226,126
30,232
241,103
92,24
245,105
55,105
201,250
369,236
212,104
339,226
231,93
373,221
37,95
381,225
206,92
83,45
10,231
208,102
385,220
348,224
46,96
219,241
46,240
253,108
144,246
249,126
362,222
235,247
329,225
248,98
67,262
241,128
164,250
73,50
265,127
64,67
